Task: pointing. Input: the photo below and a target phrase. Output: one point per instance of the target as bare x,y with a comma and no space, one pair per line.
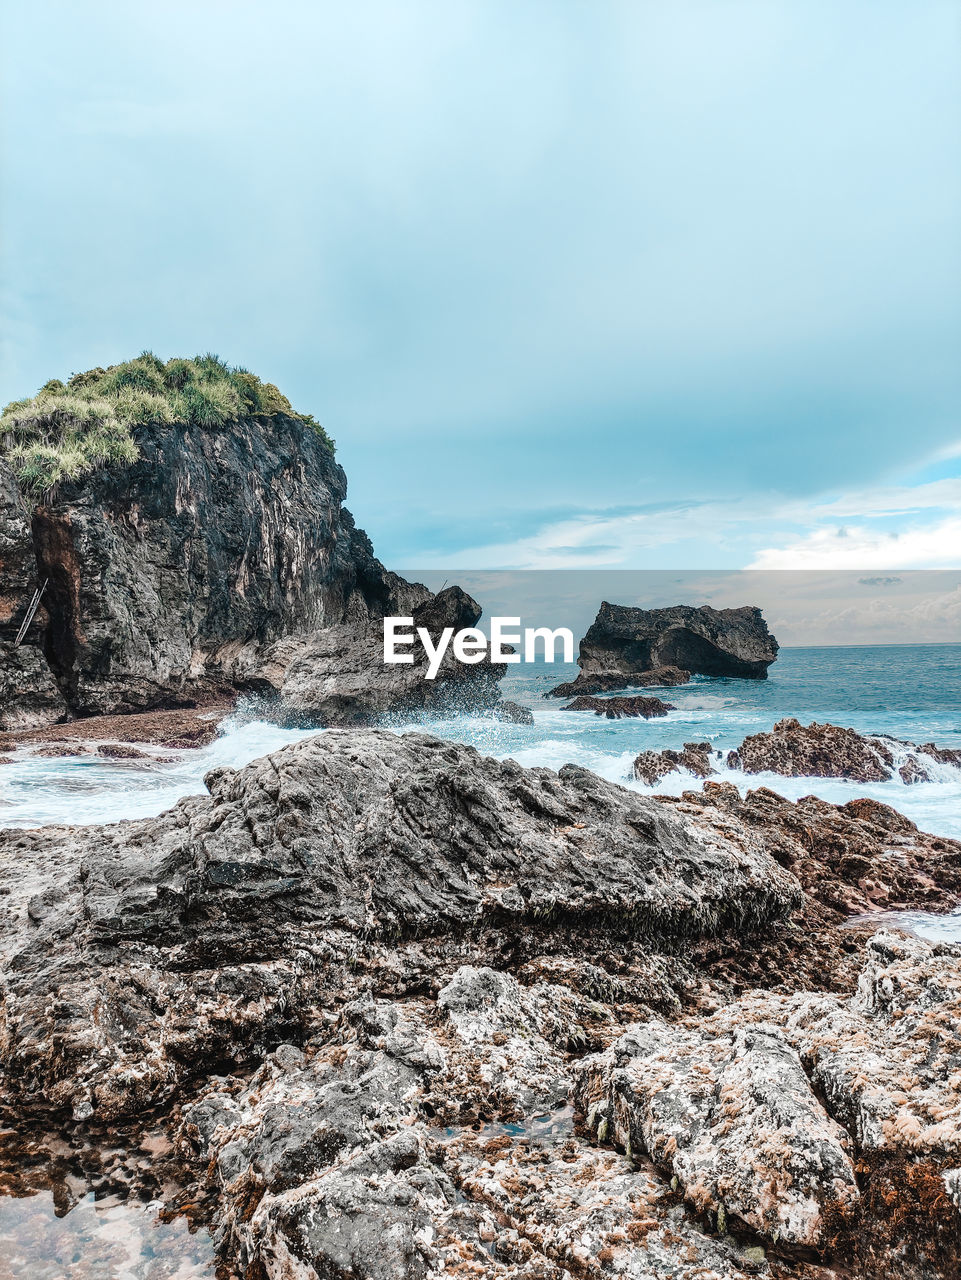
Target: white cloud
934,546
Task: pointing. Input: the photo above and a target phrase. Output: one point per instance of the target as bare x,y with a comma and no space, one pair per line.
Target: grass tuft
70,429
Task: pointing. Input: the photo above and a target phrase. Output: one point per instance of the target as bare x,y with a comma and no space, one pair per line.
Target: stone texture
618,708
29,695
733,1118
695,758
153,924
339,675
170,576
605,682
624,643
829,751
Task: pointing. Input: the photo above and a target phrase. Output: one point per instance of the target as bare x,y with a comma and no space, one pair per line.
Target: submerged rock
623,645
617,708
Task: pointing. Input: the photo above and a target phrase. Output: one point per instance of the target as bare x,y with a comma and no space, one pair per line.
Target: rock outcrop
618,708
695,758
356,833
605,682
624,644
412,1012
829,751
169,577
338,676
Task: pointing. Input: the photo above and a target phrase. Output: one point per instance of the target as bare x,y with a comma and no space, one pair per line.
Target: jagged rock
624,643
733,1118
169,576
513,713
616,708
887,1059
828,751
854,858
652,766
605,682
29,695
363,833
340,677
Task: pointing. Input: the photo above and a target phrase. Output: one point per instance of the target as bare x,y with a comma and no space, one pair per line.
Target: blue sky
571,283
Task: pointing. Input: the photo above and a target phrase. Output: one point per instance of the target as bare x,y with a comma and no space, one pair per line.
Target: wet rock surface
695,758
623,645
410,1012
604,682
338,676
829,751
618,708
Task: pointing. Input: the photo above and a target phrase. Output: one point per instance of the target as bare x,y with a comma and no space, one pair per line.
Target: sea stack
625,646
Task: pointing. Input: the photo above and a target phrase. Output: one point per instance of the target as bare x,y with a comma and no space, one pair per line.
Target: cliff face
168,576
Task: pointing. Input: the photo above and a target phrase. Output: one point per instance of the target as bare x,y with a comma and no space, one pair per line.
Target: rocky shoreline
348,980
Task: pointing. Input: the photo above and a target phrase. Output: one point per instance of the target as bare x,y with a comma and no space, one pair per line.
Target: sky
573,283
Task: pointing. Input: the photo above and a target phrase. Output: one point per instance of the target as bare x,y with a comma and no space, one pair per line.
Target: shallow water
107,1239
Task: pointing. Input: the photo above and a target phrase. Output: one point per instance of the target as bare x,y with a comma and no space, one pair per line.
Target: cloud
935,546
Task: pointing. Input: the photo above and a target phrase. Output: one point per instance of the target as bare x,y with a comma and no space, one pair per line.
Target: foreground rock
618,708
828,751
152,925
414,1013
624,644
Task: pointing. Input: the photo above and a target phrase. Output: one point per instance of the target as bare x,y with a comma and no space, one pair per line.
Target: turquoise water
910,692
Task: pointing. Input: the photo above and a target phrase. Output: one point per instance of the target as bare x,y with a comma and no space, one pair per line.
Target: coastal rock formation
666,677
29,694
398,1001
617,708
624,643
338,676
732,1117
181,519
829,751
358,833
695,758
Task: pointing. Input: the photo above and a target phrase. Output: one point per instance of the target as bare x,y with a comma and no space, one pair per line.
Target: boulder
624,644
339,675
652,766
227,916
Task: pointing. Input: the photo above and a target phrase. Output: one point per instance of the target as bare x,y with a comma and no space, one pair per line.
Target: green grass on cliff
69,429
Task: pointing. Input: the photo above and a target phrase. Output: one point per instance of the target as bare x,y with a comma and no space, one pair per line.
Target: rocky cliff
168,576
625,646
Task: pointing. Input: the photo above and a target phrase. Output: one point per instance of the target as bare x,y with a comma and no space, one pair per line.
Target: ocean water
911,692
